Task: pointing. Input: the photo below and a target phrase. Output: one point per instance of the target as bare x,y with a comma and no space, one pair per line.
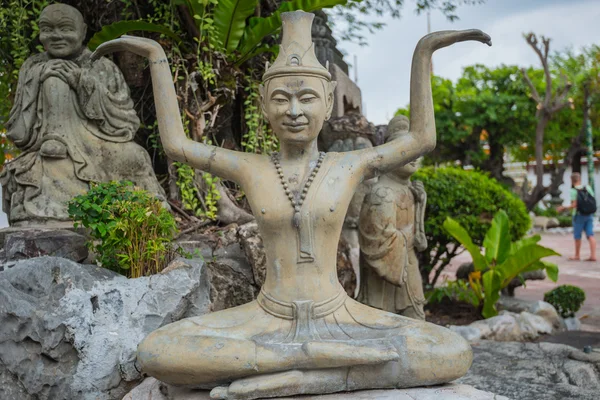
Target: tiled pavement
586,275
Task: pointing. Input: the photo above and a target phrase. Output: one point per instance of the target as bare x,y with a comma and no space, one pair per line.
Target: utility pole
590,147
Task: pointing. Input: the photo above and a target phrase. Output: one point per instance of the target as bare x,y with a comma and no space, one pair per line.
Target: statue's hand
441,39
141,46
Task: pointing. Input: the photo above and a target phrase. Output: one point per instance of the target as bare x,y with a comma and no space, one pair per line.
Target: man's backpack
586,203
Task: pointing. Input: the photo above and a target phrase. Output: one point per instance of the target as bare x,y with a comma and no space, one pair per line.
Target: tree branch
534,92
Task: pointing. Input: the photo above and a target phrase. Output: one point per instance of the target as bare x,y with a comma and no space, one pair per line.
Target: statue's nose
294,110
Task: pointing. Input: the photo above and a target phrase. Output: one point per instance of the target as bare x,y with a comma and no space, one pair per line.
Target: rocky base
540,371
151,389
70,331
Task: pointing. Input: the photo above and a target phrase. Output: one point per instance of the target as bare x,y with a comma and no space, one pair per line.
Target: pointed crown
297,52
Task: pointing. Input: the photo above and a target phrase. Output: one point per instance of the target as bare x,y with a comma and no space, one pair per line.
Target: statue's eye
66,29
308,99
280,100
45,29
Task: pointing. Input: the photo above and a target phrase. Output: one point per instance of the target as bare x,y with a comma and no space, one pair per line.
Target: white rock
150,390
548,312
573,324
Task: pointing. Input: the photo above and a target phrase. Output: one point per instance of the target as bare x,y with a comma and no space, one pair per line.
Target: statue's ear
83,33
329,103
261,91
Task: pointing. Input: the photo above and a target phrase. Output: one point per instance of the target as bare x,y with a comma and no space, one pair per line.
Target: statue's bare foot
287,383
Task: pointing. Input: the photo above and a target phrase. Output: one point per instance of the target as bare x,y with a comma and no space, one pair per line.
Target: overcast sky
384,65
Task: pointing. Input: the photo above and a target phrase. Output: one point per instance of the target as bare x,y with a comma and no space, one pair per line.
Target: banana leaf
521,260
462,236
230,22
259,28
113,31
491,287
497,239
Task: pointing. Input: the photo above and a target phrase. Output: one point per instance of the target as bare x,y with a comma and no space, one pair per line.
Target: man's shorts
583,223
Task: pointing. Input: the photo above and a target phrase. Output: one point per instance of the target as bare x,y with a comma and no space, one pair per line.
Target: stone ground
586,275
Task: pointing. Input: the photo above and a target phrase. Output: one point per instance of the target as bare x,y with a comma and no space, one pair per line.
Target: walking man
583,206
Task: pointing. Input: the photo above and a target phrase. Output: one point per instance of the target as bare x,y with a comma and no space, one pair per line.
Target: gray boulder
70,331
540,371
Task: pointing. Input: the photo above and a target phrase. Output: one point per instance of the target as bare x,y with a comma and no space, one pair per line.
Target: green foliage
502,260
17,42
259,137
567,299
471,198
190,195
212,195
132,232
230,22
120,28
455,291
486,106
189,192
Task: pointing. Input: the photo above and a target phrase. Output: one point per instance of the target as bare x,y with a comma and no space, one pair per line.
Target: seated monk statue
74,121
391,230
302,334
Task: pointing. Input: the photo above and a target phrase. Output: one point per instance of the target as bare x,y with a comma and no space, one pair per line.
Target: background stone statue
74,121
391,230
303,334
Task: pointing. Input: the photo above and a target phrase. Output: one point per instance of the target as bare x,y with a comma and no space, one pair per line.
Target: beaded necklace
296,202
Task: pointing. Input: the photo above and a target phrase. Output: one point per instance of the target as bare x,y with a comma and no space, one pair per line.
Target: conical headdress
297,52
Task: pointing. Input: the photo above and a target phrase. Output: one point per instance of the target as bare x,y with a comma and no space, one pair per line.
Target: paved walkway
585,275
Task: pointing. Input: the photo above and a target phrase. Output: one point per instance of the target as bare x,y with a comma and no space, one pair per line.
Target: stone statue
391,230
74,121
302,334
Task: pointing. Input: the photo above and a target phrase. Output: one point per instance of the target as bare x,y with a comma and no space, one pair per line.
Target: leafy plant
131,229
458,290
567,299
471,198
234,31
502,260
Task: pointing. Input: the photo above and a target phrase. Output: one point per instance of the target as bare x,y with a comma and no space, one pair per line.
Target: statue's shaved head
64,10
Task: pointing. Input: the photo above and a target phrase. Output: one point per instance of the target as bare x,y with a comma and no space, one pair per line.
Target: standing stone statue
391,230
303,334
74,121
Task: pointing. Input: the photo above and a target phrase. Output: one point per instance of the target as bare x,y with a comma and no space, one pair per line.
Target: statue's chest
325,202
405,207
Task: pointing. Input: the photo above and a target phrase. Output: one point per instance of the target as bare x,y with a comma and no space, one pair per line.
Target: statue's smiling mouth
58,45
295,126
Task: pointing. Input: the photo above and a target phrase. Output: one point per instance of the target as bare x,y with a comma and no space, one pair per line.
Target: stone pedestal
151,389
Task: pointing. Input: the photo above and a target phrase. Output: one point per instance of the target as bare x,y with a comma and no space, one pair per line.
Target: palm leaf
230,22
259,28
113,31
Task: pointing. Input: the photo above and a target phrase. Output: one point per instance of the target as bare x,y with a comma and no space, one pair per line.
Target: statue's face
62,31
297,106
407,170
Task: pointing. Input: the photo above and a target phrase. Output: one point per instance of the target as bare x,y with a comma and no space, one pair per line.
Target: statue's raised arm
422,137
221,162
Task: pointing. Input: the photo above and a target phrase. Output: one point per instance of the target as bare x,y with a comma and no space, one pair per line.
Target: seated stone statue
303,334
391,228
74,121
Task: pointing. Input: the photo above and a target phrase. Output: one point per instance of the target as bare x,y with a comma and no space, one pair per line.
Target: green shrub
131,229
472,199
566,299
